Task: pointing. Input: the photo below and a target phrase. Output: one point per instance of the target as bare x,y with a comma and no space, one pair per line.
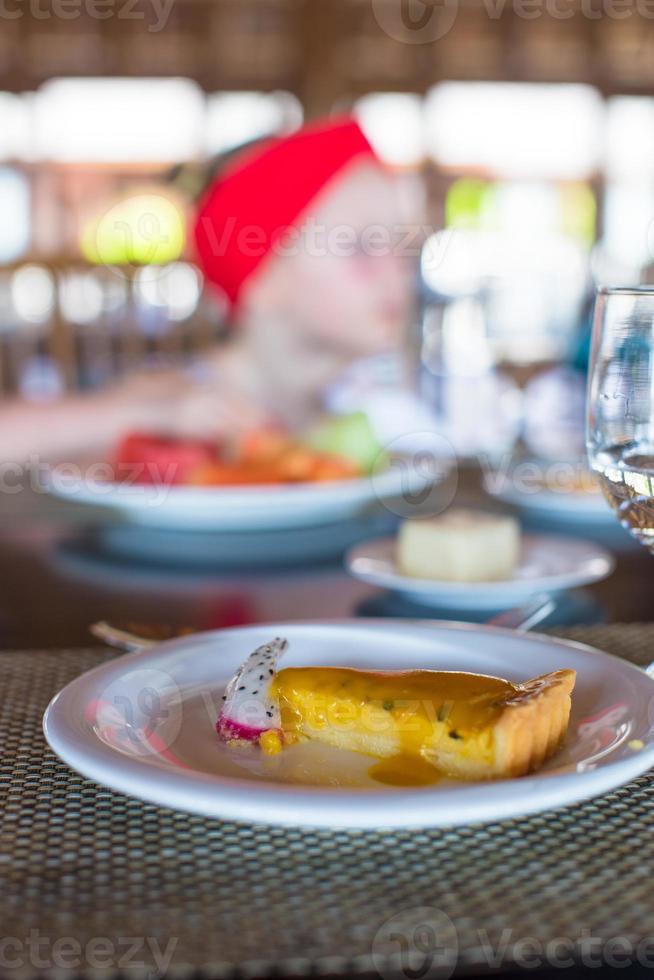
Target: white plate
548,564
243,508
569,507
96,726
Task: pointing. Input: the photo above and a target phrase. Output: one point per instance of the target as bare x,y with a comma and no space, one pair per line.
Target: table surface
95,885
79,862
57,578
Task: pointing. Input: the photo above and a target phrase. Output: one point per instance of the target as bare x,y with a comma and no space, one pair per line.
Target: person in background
300,234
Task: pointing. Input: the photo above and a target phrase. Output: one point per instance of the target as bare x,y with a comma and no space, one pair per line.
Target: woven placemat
93,884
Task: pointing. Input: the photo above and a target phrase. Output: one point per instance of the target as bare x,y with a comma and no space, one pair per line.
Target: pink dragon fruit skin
249,708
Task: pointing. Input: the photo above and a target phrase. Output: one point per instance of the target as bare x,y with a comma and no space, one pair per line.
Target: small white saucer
548,563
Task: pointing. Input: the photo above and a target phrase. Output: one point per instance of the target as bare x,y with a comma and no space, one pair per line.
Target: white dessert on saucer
459,546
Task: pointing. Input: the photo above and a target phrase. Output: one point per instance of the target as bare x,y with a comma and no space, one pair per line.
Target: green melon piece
351,436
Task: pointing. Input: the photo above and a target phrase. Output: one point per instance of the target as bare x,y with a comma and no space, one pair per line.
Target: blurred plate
246,508
577,506
227,550
127,557
572,608
163,748
548,563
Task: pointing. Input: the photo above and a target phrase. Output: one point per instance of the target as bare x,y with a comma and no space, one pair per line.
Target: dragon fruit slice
249,708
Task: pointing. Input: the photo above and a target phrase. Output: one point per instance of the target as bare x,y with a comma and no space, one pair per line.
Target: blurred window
523,245
629,138
119,119
530,208
394,124
578,212
629,224
466,201
515,129
512,183
628,243
520,214
15,127
15,208
233,118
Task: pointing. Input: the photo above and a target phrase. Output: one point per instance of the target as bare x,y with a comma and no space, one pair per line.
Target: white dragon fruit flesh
249,708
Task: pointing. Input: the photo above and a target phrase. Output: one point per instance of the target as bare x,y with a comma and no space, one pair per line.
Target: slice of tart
467,726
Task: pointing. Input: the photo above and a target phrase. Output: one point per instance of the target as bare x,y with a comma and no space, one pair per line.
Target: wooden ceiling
327,51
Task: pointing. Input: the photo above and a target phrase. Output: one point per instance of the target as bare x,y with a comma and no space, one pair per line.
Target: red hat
252,204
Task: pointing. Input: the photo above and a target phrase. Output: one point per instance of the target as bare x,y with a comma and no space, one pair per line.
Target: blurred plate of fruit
264,480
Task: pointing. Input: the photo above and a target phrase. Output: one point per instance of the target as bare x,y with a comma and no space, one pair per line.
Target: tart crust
534,723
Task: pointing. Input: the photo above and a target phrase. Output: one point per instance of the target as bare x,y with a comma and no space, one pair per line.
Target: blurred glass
475,406
534,286
620,433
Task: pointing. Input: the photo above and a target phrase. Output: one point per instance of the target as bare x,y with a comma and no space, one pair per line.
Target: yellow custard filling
424,723
398,716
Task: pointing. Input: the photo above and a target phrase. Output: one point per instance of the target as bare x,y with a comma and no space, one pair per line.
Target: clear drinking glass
620,432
